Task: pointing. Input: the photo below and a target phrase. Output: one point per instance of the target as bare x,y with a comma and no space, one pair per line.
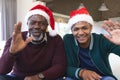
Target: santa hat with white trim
80,15
47,13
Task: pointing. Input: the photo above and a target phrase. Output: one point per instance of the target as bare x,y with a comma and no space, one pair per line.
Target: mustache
36,30
37,40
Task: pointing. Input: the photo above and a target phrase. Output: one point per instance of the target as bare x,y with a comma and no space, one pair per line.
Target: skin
82,32
113,28
37,26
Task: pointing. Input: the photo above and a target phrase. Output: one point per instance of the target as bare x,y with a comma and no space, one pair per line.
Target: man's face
37,25
81,31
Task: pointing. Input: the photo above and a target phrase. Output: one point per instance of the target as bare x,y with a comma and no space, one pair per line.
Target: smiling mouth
81,37
36,32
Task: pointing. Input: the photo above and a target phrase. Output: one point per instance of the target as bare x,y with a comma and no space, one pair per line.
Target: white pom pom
52,33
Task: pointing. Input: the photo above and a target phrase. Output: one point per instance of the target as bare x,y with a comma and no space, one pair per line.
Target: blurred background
12,11
109,8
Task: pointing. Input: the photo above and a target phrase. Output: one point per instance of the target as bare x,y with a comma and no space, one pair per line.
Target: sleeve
77,72
110,47
72,60
6,60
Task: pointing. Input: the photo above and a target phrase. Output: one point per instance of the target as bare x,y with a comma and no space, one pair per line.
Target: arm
6,60
12,47
17,43
71,53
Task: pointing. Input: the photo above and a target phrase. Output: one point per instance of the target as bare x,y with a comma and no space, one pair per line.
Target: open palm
18,43
114,30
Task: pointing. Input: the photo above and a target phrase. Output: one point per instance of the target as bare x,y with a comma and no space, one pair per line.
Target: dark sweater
47,58
99,51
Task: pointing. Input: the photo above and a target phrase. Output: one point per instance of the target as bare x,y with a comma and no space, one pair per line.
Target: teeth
80,37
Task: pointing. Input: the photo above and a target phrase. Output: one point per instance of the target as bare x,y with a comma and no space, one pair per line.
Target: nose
80,32
36,25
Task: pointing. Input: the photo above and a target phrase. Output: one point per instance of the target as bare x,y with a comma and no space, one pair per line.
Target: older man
36,54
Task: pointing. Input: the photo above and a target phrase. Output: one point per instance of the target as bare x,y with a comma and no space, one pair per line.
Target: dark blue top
86,62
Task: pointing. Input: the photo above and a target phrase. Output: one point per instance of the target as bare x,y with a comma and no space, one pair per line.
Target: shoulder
69,39
56,37
98,36
68,36
23,35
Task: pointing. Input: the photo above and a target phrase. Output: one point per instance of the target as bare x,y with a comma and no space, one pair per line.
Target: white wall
23,6
97,28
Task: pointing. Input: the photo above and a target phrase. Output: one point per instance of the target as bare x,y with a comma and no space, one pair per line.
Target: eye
32,22
75,29
42,23
84,28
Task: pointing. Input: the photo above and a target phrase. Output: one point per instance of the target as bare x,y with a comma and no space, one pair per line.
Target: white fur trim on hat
40,12
44,14
81,17
53,33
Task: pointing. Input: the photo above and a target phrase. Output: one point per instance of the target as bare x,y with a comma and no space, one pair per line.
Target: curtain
8,17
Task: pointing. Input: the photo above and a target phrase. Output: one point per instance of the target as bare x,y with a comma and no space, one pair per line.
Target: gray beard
37,40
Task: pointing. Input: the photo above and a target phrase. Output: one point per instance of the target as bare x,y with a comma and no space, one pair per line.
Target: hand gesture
17,43
89,75
114,30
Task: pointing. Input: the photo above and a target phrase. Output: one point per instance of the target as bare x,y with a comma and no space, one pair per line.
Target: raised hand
113,28
17,43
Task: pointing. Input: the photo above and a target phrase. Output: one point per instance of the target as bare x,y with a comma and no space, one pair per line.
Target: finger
106,28
29,39
118,25
110,24
17,27
96,76
91,78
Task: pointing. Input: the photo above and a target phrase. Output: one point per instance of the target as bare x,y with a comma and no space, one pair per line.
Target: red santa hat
46,12
80,15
